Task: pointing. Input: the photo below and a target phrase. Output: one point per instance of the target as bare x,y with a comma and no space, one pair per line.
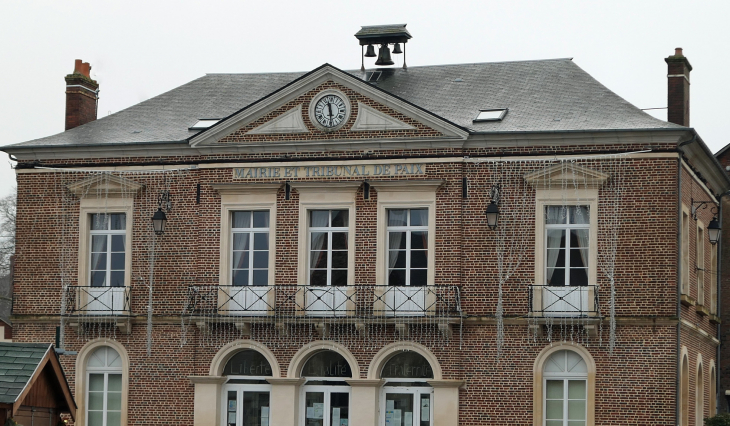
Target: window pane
99,221
96,400
554,389
318,278
114,401
96,382
241,220
96,418
240,277
419,217
579,215
339,240
555,238
418,259
98,261
114,419
115,382
261,241
555,277
576,423
578,277
319,218
577,410
98,243
240,241
339,406
554,423
260,219
555,215
117,279
339,277
240,259
397,240
118,261
261,259
419,240
118,221
98,278
340,218
261,278
339,259
576,389
579,258
397,277
319,241
397,217
319,259
418,276
118,243
397,259
554,409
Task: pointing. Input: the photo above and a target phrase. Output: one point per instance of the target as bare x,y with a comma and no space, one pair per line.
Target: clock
329,110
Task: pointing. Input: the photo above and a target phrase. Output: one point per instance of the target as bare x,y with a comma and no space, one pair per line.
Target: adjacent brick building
327,259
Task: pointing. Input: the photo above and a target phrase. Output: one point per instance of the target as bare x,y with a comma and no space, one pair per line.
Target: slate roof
543,95
370,31
18,361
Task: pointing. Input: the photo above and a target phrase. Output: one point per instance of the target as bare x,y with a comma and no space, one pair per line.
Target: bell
384,56
370,53
396,49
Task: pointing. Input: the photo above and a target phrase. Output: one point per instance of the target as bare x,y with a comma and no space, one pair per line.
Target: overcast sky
140,49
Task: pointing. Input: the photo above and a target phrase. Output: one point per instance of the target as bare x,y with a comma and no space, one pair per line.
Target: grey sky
139,49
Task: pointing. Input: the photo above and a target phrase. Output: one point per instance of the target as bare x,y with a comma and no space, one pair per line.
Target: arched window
684,392
565,377
326,395
246,393
700,396
713,391
104,390
407,397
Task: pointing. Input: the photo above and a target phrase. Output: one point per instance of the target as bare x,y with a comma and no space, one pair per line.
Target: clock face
330,111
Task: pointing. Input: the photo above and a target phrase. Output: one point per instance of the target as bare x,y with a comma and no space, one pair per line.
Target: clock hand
329,105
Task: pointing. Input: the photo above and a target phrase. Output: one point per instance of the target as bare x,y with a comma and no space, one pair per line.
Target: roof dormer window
496,114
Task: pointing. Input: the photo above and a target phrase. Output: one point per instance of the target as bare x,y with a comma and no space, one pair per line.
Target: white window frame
109,233
559,197
240,388
700,262
713,278
567,227
565,377
684,241
250,231
329,230
244,197
82,377
407,229
327,390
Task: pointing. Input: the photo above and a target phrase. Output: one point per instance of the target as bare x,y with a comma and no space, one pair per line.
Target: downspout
679,286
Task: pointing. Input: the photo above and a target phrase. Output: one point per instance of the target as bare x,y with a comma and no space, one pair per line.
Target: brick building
331,252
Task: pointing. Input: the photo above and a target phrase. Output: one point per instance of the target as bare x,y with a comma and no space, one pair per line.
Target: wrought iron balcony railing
359,301
564,301
87,300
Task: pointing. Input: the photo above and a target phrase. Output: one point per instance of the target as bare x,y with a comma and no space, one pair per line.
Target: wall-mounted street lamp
159,220
492,215
713,231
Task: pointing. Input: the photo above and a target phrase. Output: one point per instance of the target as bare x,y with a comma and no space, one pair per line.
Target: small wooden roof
31,374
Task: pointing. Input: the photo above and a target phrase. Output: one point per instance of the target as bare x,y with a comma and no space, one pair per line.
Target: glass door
407,406
326,405
246,405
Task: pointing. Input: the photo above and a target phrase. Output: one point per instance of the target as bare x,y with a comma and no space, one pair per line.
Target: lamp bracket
701,205
164,200
494,193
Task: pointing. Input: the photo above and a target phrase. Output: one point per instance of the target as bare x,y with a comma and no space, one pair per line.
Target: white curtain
399,216
583,244
318,238
554,236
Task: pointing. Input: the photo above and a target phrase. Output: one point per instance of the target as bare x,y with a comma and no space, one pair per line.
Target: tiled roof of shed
18,361
542,96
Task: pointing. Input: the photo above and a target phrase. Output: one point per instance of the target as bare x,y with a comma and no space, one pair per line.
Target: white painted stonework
369,119
288,122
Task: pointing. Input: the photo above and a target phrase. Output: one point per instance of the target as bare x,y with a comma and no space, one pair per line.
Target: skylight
373,75
203,123
491,114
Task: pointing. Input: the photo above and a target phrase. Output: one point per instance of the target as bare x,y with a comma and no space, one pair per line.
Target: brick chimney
82,95
678,88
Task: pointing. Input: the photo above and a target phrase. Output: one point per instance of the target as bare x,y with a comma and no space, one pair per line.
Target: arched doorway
325,394
407,397
246,394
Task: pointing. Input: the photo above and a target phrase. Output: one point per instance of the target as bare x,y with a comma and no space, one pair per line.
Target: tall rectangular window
713,279
700,264
566,245
328,239
685,252
108,254
407,247
250,249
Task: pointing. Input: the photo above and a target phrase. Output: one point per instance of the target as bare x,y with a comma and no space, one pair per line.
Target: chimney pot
82,95
678,51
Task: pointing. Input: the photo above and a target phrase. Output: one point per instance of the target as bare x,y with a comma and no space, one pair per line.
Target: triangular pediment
104,184
566,174
289,115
